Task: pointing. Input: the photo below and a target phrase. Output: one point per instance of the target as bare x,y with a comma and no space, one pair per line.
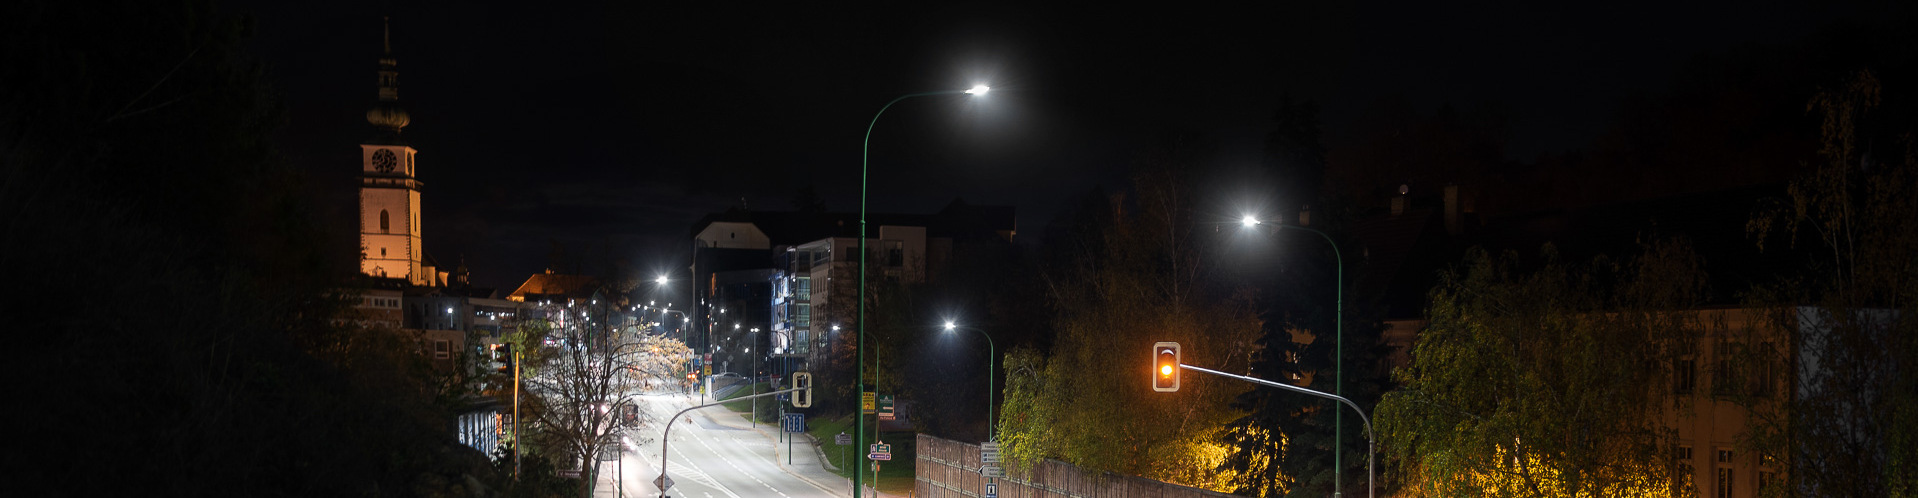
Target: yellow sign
869,402
709,370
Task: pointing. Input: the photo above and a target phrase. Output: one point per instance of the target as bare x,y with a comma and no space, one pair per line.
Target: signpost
867,403
881,452
885,407
842,439
989,452
795,423
992,471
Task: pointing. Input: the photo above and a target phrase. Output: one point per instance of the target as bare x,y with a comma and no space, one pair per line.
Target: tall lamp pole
1338,335
859,347
992,353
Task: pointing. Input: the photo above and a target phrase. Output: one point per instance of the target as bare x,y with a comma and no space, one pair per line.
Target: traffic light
503,355
803,397
1165,367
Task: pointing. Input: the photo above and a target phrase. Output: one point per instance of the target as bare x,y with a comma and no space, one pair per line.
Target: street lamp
859,347
1338,335
992,352
753,380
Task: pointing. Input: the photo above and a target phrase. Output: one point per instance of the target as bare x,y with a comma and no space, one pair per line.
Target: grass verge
895,477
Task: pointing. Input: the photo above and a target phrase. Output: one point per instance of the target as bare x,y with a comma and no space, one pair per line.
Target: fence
950,469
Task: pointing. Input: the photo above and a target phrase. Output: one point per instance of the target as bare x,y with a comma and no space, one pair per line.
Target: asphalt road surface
713,458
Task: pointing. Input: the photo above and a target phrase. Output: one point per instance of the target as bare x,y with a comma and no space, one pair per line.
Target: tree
1544,382
585,368
1145,282
1284,444
1851,423
136,144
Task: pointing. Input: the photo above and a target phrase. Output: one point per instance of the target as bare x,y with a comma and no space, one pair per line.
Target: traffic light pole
1371,441
665,437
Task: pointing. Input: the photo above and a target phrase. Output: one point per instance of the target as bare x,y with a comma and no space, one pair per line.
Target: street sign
867,402
992,489
885,407
989,452
795,422
842,439
881,452
992,471
880,457
663,482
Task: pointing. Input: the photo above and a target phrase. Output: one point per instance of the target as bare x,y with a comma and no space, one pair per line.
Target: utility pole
516,439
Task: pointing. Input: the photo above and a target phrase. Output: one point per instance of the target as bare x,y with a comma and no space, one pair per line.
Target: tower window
385,225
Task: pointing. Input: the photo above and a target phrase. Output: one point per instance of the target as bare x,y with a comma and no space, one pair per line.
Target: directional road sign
881,452
992,471
989,452
795,422
885,407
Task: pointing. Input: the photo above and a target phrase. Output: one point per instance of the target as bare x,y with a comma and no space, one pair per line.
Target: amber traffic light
803,397
1165,367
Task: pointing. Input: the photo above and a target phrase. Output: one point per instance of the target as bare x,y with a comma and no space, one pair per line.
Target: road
717,455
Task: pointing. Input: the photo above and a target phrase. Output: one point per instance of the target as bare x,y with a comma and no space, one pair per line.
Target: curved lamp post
1338,335
859,348
991,354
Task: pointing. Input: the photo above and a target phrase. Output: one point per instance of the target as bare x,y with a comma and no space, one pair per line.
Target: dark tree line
178,304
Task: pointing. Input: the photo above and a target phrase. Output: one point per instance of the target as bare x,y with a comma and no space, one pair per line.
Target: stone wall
950,469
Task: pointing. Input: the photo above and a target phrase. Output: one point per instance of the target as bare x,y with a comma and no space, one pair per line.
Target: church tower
389,194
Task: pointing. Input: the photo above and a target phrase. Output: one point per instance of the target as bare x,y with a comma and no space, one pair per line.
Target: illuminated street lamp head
949,325
661,280
979,90
1249,221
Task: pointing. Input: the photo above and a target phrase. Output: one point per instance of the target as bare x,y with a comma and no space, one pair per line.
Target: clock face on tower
383,160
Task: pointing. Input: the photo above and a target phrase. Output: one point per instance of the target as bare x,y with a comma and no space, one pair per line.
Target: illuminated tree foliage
1851,427
1544,382
581,368
1137,278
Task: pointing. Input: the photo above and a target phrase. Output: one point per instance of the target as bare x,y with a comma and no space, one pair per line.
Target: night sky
612,128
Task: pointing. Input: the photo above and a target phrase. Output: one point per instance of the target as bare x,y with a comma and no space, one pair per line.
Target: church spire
387,114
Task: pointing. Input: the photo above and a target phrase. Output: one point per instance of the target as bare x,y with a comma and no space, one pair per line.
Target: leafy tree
1544,382
1088,402
1851,423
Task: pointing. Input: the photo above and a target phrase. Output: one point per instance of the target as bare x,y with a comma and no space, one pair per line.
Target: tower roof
387,115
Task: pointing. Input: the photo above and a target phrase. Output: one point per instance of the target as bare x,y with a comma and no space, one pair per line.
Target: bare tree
587,363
